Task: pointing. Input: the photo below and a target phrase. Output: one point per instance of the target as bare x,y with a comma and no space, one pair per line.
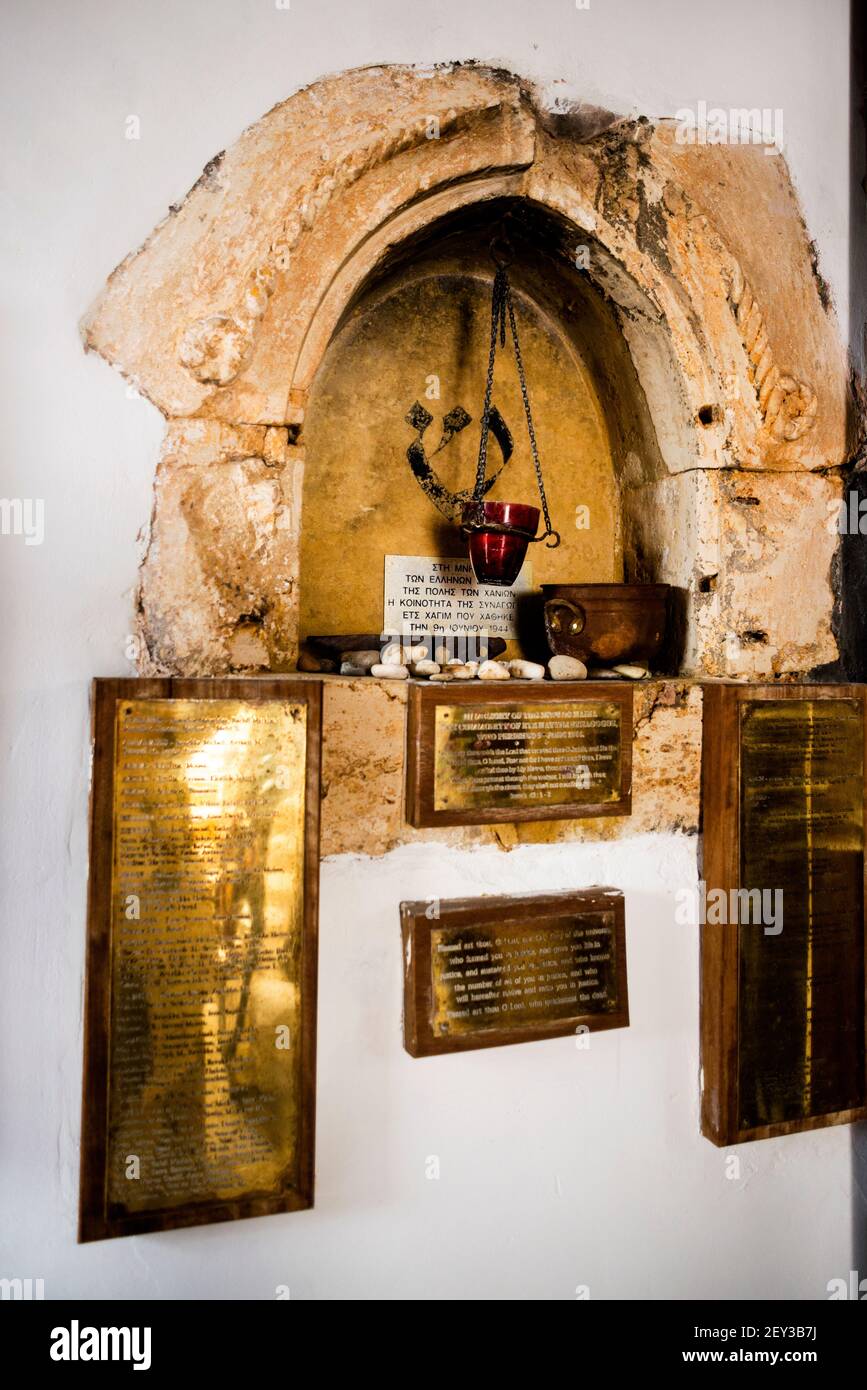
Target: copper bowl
606,624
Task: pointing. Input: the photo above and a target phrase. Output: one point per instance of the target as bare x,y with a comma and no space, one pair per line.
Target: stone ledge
363,752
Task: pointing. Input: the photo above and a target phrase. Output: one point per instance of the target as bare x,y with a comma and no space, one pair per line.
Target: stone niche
686,372
420,331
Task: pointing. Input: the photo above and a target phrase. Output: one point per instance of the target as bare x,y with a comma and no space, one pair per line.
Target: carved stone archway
222,318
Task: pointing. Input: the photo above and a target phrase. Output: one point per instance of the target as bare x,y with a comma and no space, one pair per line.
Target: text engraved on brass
207,917
519,977
499,756
801,989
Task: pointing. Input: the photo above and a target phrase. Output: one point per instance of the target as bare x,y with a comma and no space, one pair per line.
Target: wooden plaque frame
425,699
721,859
96,1222
536,910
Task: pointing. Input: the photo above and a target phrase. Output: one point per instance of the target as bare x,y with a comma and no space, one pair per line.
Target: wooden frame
535,911
721,1109
425,699
96,1221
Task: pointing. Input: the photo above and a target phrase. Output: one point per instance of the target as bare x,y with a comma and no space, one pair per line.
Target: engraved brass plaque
490,971
801,989
210,1030
522,976
518,751
209,817
520,756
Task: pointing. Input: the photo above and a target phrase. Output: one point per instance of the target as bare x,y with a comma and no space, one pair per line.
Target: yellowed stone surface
361,501
219,579
363,772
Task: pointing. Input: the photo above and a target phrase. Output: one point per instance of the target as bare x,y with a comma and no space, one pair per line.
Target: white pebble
567,668
393,654
389,671
526,670
441,678
425,668
634,673
602,673
493,671
461,673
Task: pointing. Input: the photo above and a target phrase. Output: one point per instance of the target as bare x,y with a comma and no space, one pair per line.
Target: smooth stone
419,652
526,670
392,654
425,668
493,671
308,662
602,673
462,673
634,673
348,668
567,668
441,678
442,655
363,659
389,671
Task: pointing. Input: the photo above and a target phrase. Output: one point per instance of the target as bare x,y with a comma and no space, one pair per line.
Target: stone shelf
363,770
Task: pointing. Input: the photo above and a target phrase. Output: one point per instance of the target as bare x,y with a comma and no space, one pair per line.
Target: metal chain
497,321
501,303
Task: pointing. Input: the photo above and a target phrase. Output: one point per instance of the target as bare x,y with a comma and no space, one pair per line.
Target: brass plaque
801,989
516,755
485,972
481,755
208,1022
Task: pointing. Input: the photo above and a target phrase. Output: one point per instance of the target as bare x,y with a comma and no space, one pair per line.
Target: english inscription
489,971
206,977
801,992
783,962
518,975
525,751
500,755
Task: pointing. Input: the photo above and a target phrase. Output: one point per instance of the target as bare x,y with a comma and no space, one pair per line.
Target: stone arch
224,314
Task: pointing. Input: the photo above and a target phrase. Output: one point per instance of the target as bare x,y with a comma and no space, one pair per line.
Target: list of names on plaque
514,976
500,755
801,983
207,917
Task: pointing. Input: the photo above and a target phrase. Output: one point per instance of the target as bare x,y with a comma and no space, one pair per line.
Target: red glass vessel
499,533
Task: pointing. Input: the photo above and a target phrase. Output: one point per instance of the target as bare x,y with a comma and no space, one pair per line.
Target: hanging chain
497,321
501,305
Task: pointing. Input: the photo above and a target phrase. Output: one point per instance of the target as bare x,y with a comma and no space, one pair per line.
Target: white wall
559,1167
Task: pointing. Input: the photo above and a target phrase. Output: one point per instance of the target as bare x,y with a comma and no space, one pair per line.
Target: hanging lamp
499,532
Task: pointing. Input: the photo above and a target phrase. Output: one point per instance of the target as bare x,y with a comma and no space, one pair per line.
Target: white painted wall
559,1167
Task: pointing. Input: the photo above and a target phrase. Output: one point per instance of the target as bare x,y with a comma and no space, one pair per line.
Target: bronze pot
606,624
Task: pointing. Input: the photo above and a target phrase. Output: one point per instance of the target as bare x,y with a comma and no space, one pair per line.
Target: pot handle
554,623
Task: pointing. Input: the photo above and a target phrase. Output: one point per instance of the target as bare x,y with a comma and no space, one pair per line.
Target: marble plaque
424,595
